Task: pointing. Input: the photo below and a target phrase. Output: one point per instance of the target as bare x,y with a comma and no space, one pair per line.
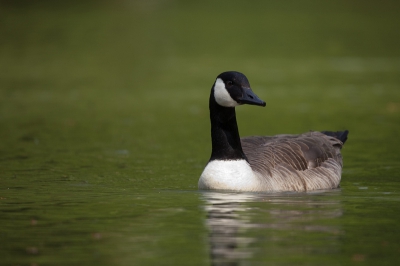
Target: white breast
229,175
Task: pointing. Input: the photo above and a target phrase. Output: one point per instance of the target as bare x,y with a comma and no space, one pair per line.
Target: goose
304,162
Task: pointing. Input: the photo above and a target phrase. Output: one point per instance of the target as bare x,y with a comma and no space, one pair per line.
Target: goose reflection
247,226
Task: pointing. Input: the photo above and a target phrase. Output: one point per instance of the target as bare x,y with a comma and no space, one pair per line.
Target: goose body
304,162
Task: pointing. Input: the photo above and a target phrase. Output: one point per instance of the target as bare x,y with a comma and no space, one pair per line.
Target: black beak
249,97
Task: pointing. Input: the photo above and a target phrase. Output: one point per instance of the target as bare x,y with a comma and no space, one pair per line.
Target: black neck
224,133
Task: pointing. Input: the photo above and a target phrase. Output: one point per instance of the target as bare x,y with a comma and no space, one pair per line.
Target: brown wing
301,152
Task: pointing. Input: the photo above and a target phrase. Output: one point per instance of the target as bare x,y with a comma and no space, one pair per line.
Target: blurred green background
112,97
79,79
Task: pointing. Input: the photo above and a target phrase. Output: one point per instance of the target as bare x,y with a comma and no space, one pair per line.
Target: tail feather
340,135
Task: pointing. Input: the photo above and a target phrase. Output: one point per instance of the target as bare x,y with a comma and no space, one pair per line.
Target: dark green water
104,131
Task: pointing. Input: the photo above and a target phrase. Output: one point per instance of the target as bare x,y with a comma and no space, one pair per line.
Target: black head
232,88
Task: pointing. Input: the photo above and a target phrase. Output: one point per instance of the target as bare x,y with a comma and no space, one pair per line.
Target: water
105,131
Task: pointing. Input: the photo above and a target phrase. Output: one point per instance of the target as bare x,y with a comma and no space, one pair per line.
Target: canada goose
304,162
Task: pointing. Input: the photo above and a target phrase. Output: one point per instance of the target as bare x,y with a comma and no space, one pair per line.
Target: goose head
232,89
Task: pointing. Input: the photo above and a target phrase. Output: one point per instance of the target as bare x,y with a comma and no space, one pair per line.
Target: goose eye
229,83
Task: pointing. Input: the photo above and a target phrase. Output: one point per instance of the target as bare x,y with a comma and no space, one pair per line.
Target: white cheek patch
222,96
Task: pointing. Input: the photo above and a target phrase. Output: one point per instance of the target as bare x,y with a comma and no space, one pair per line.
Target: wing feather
300,152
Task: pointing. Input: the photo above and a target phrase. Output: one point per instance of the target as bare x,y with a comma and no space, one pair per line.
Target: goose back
302,162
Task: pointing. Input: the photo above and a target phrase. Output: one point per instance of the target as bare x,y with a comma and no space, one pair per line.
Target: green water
104,131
